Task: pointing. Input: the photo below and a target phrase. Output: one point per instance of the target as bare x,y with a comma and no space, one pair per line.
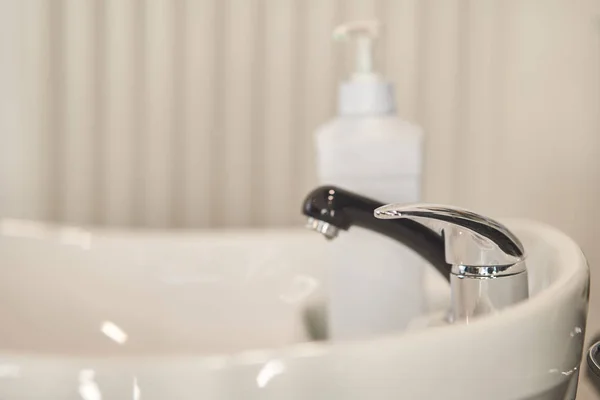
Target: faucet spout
330,209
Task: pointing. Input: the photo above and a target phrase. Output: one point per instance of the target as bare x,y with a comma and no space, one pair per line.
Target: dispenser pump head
366,93
364,32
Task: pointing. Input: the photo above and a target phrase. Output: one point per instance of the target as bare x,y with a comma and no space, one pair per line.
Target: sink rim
567,278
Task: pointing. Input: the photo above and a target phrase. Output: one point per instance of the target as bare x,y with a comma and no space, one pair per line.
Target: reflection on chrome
270,369
112,331
88,388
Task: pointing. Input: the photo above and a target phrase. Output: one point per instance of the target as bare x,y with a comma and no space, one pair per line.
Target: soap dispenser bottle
368,149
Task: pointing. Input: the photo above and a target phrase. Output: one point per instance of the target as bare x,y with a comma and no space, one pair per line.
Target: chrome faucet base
488,270
472,297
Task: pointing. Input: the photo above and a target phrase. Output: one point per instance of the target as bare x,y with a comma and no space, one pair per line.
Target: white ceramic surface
221,315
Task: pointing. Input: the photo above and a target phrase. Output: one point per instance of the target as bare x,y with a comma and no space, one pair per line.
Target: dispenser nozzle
364,32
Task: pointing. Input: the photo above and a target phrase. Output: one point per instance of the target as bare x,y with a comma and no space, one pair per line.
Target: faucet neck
330,209
472,297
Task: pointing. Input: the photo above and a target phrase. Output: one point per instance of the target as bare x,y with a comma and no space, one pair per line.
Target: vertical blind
191,112
200,113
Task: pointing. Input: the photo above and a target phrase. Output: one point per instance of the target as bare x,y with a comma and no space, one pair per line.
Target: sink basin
98,314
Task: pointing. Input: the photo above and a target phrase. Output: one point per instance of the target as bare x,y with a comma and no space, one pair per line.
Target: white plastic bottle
375,284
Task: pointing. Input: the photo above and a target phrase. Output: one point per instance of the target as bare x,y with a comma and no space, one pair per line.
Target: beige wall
199,113
166,113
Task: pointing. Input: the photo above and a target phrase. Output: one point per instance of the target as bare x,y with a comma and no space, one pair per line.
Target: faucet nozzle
324,228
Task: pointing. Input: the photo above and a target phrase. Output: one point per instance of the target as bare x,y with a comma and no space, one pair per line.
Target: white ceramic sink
222,315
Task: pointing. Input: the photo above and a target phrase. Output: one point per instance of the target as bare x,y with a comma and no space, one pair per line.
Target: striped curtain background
199,113
187,113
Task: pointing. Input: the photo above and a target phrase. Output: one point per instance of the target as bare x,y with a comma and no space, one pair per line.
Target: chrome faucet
488,270
482,259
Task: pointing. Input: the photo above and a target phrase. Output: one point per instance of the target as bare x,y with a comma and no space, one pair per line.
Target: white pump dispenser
375,285
366,92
